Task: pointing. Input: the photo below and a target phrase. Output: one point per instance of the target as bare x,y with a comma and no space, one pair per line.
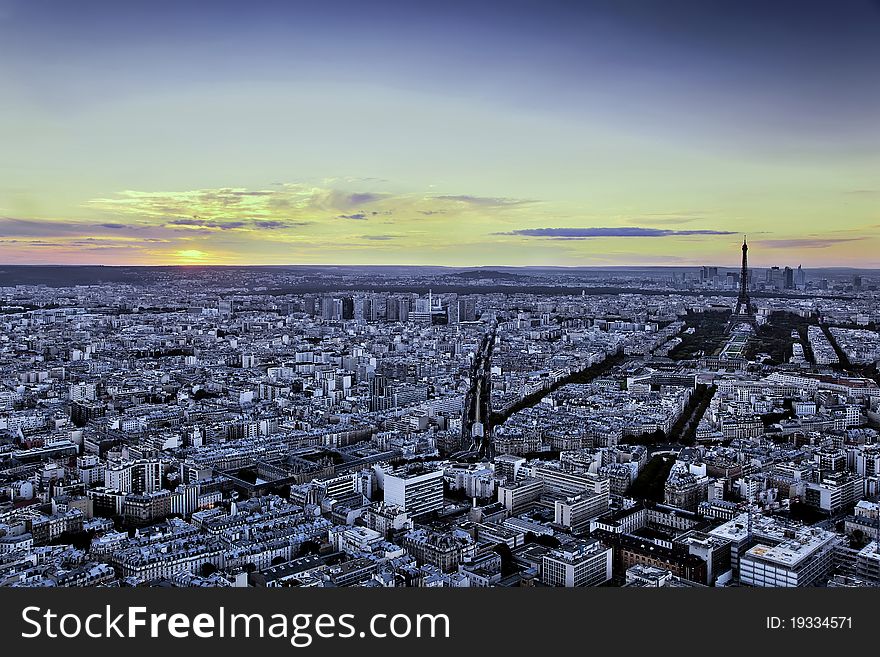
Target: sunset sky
593,133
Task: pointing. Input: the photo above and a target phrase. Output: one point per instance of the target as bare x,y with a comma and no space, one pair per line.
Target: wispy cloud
249,224
623,231
287,201
290,222
808,243
14,227
362,198
270,224
670,218
196,222
486,201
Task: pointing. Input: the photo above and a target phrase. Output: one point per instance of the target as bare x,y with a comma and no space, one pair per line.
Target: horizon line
424,266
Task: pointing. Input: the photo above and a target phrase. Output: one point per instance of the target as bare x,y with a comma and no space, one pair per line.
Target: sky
589,133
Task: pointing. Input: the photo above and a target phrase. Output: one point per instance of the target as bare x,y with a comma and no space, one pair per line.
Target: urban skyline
521,294
575,134
307,427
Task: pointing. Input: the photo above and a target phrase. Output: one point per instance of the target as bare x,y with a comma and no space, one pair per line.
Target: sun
191,255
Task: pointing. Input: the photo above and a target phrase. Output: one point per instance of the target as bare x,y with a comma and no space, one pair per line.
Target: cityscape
525,294
309,427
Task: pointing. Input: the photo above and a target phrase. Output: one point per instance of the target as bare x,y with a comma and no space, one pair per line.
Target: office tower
392,309
226,307
467,310
380,395
396,309
143,476
363,309
308,304
416,491
346,308
328,308
452,312
774,278
582,563
423,310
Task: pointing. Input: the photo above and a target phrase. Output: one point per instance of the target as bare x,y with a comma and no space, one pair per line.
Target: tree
309,547
651,480
508,567
857,539
543,539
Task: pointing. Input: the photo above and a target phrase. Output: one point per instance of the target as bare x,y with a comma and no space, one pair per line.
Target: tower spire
744,313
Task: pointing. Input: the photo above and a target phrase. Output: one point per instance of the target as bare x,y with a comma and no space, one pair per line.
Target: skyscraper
364,309
467,310
462,310
800,278
308,304
328,308
347,310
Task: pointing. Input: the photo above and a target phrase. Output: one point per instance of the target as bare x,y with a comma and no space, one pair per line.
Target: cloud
228,196
670,218
485,201
279,203
197,222
360,198
809,243
623,231
12,227
269,224
30,242
218,209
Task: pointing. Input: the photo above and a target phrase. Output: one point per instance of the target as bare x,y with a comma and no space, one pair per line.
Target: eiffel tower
744,313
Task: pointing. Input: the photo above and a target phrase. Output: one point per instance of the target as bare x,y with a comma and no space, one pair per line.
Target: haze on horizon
598,133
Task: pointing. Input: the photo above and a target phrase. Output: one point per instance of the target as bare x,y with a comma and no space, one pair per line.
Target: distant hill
477,274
